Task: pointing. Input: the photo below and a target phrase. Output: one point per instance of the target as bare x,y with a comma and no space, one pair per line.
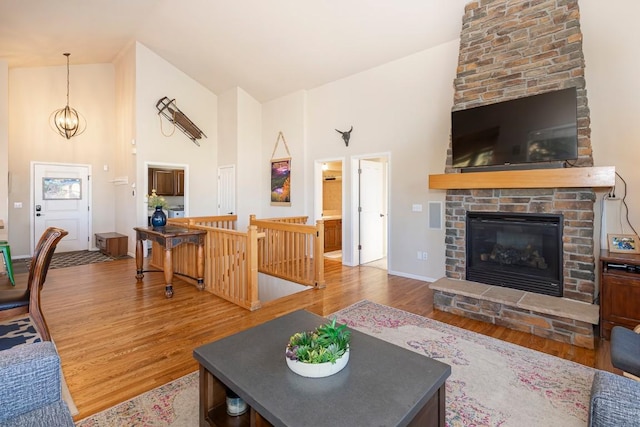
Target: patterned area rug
172,404
493,383
64,259
16,332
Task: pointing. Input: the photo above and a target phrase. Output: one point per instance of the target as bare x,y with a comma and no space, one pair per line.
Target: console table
382,384
619,291
169,237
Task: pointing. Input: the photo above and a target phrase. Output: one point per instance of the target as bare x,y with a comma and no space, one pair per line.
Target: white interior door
227,190
61,199
371,211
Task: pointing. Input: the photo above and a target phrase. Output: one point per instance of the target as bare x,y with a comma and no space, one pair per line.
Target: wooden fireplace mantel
601,176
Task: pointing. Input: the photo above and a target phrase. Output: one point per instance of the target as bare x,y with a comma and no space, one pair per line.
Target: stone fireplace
510,49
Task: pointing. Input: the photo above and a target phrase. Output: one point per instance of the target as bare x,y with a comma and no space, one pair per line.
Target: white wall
228,127
287,115
126,194
610,44
34,93
239,131
401,108
248,180
156,78
4,147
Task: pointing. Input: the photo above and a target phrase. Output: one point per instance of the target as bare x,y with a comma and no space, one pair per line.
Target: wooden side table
619,291
169,237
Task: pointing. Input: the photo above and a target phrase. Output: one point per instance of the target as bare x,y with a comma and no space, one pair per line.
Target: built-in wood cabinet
166,182
619,291
179,182
332,235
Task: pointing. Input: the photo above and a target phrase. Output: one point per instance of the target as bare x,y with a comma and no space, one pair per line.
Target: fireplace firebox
514,250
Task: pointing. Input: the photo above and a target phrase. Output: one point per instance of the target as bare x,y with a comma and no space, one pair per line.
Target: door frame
32,197
317,191
235,204
355,203
184,167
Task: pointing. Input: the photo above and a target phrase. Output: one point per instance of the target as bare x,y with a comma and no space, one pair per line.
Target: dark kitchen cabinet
166,182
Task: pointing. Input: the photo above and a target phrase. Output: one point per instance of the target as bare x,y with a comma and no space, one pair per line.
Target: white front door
371,211
61,199
227,190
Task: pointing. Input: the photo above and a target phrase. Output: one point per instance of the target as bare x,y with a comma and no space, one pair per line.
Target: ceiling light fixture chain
67,121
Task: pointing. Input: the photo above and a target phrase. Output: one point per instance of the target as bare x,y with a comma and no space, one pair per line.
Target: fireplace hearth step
556,318
544,304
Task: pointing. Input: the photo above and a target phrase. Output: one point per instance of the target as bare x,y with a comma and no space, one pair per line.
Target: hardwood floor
118,338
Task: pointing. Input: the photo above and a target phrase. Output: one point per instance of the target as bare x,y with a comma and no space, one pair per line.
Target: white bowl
318,370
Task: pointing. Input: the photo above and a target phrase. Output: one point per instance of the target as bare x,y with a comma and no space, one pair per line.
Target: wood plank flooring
118,338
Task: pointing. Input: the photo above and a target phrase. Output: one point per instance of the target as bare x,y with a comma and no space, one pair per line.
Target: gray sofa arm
615,401
29,379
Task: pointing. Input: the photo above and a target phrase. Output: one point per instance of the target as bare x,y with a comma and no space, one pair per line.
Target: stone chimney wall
510,49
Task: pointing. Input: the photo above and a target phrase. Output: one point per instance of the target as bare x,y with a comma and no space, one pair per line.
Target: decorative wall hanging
346,135
167,108
281,176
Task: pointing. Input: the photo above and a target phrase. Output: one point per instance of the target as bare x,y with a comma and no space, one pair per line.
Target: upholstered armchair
625,351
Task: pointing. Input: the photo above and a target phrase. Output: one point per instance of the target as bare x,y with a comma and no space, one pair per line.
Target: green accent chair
6,253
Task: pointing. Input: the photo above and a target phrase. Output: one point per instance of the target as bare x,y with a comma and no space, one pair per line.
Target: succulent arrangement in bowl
326,347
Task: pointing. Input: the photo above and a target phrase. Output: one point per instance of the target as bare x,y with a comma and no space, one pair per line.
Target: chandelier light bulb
67,121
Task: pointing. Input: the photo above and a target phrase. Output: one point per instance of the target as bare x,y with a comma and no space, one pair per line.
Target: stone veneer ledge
560,319
561,307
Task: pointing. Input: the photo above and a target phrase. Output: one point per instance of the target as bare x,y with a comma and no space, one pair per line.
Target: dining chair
14,302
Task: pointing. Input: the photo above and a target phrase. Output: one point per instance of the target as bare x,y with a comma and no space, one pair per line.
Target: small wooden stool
6,253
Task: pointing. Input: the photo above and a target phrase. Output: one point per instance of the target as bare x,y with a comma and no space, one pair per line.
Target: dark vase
158,219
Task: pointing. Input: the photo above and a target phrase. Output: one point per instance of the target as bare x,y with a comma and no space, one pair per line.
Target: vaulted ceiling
267,47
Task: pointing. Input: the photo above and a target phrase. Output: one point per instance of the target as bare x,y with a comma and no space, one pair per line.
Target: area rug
493,383
64,259
173,404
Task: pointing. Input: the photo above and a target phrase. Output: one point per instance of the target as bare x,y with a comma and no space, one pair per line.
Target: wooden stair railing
289,250
280,247
231,259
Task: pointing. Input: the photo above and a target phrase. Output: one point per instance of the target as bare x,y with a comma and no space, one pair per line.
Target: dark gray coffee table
382,385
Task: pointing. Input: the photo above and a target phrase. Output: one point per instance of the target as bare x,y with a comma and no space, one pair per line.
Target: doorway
61,198
170,181
227,190
371,176
329,195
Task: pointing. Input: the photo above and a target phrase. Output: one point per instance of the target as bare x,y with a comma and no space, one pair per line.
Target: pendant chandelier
67,121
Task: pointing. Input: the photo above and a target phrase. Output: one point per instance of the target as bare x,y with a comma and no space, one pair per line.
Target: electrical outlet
424,256
17,205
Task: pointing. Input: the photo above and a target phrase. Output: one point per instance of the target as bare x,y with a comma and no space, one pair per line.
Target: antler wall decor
168,109
346,135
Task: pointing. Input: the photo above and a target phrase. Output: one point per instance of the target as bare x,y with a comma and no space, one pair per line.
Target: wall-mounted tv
540,129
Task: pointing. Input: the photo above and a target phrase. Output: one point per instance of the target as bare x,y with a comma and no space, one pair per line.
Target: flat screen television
539,129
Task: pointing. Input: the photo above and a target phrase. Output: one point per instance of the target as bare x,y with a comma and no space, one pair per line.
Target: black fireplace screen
519,251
